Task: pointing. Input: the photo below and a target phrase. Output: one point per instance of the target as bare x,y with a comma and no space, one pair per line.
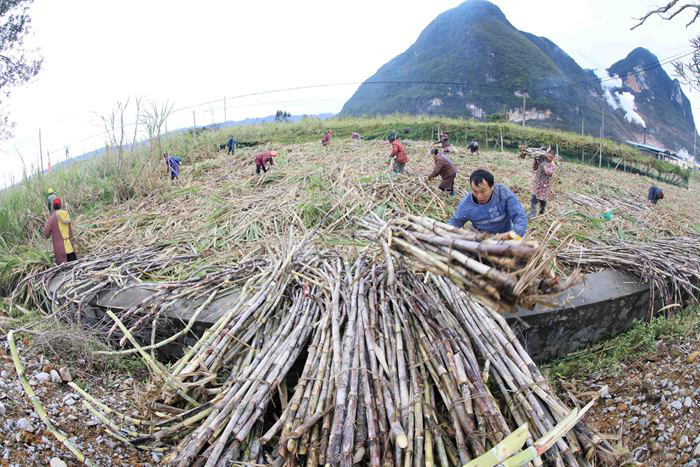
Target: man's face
482,192
549,157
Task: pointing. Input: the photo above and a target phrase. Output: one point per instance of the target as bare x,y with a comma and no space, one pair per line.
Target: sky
97,53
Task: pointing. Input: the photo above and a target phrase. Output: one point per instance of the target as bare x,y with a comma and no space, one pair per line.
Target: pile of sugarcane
671,265
322,362
502,273
69,289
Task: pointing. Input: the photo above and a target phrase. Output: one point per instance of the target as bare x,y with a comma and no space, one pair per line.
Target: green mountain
471,62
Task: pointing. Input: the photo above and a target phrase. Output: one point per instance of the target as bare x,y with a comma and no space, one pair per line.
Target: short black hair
435,151
479,175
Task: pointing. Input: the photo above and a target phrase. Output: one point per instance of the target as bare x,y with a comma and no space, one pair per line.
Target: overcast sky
98,52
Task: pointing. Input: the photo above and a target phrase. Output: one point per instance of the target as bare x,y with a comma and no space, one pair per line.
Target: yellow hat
50,191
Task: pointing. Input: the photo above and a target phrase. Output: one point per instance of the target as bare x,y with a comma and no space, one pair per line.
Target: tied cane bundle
502,273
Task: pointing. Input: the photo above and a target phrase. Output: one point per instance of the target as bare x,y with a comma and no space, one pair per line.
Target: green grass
641,340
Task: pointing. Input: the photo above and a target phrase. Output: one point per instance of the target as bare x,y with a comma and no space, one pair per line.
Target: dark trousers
71,257
173,176
231,151
533,205
260,166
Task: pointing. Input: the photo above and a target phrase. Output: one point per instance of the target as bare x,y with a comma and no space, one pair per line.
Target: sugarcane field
335,308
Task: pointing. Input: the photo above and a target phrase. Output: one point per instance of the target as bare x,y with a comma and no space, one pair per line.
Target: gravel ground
24,439
652,406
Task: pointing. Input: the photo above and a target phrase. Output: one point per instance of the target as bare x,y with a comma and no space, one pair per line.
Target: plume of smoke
609,85
619,99
626,100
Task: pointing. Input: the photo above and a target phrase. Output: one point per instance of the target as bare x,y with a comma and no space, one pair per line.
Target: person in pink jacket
544,169
59,229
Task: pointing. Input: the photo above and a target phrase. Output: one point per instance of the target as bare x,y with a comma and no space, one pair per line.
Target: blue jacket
655,194
231,143
501,214
174,165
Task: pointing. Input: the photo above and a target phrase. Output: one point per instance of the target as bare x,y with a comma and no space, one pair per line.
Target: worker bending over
474,147
59,229
445,169
490,208
173,164
655,194
326,138
262,159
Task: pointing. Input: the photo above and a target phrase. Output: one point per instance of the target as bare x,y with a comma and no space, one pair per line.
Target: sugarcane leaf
503,450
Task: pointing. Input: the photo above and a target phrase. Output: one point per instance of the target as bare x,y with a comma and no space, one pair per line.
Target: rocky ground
24,439
651,405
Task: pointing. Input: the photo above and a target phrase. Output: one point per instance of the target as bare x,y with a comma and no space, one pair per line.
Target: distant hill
472,62
213,126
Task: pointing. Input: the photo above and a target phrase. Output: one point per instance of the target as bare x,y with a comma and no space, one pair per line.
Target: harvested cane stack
670,264
340,367
323,362
503,273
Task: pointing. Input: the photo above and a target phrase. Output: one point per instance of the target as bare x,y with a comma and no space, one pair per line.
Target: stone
604,392
684,442
42,377
692,463
696,451
68,400
55,377
57,462
687,402
3,409
656,447
25,425
693,356
65,375
676,405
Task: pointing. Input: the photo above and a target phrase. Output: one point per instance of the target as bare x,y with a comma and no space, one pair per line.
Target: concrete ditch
605,304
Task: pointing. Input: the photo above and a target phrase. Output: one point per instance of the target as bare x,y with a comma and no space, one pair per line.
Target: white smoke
609,85
618,99
626,100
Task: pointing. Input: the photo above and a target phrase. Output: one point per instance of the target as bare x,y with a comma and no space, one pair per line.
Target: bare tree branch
670,11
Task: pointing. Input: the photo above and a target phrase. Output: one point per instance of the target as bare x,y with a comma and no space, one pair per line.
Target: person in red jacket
327,138
262,159
398,154
59,229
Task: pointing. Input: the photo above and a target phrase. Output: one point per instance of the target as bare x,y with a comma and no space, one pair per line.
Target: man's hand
511,236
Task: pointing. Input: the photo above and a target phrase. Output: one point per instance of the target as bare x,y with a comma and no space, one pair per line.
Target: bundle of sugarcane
526,152
671,265
503,273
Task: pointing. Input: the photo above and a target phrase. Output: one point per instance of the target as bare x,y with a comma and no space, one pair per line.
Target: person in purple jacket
491,208
173,164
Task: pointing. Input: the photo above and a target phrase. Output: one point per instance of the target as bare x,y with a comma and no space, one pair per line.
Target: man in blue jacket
231,145
490,208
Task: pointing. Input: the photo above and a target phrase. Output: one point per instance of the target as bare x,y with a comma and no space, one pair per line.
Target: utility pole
695,135
66,152
225,120
582,136
602,133
524,97
194,120
41,154
645,135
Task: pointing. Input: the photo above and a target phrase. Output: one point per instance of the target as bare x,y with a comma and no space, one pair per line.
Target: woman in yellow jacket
59,229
